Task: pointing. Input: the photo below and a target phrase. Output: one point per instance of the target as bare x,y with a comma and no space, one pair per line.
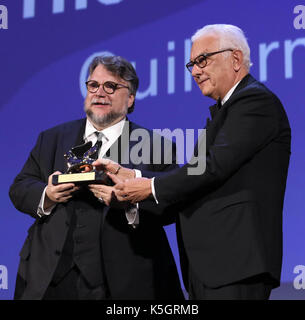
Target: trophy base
92,177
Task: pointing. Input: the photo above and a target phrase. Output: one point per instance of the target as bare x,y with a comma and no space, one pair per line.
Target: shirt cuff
153,191
40,211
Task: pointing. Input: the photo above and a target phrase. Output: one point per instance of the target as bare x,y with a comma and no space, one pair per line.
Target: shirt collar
229,93
110,133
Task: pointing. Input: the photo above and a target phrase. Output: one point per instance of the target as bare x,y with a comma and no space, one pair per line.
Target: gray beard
105,120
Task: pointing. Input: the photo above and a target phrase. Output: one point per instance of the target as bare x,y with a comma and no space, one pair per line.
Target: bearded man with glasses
84,245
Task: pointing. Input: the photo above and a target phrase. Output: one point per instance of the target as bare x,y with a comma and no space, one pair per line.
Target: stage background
43,58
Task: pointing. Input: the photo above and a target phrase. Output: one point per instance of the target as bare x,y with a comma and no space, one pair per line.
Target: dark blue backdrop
47,46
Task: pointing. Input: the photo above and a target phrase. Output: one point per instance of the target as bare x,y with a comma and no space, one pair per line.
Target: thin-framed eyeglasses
201,61
109,86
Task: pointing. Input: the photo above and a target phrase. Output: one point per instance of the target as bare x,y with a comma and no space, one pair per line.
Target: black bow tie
215,108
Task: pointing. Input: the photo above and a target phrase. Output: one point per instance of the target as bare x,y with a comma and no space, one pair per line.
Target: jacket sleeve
252,121
28,186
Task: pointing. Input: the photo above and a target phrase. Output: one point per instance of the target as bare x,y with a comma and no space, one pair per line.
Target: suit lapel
120,150
215,124
70,137
127,144
218,116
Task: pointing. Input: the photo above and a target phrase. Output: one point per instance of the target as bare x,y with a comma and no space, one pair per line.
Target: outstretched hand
106,195
131,190
108,165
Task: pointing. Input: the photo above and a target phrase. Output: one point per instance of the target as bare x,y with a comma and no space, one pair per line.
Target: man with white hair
231,215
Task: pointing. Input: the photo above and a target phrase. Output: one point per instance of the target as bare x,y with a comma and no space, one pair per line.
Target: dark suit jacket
138,262
231,218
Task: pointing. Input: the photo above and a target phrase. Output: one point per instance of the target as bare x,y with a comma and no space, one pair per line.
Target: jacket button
57,252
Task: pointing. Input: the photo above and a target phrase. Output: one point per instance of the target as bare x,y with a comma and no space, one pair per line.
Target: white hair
229,37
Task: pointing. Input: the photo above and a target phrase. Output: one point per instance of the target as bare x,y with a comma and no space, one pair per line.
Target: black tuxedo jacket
231,215
138,262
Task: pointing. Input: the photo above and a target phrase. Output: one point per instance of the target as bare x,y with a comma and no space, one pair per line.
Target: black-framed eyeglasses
108,86
201,61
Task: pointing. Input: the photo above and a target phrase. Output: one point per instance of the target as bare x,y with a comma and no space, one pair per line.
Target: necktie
219,105
99,143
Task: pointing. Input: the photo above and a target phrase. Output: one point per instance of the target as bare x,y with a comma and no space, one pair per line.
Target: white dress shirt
110,135
229,93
